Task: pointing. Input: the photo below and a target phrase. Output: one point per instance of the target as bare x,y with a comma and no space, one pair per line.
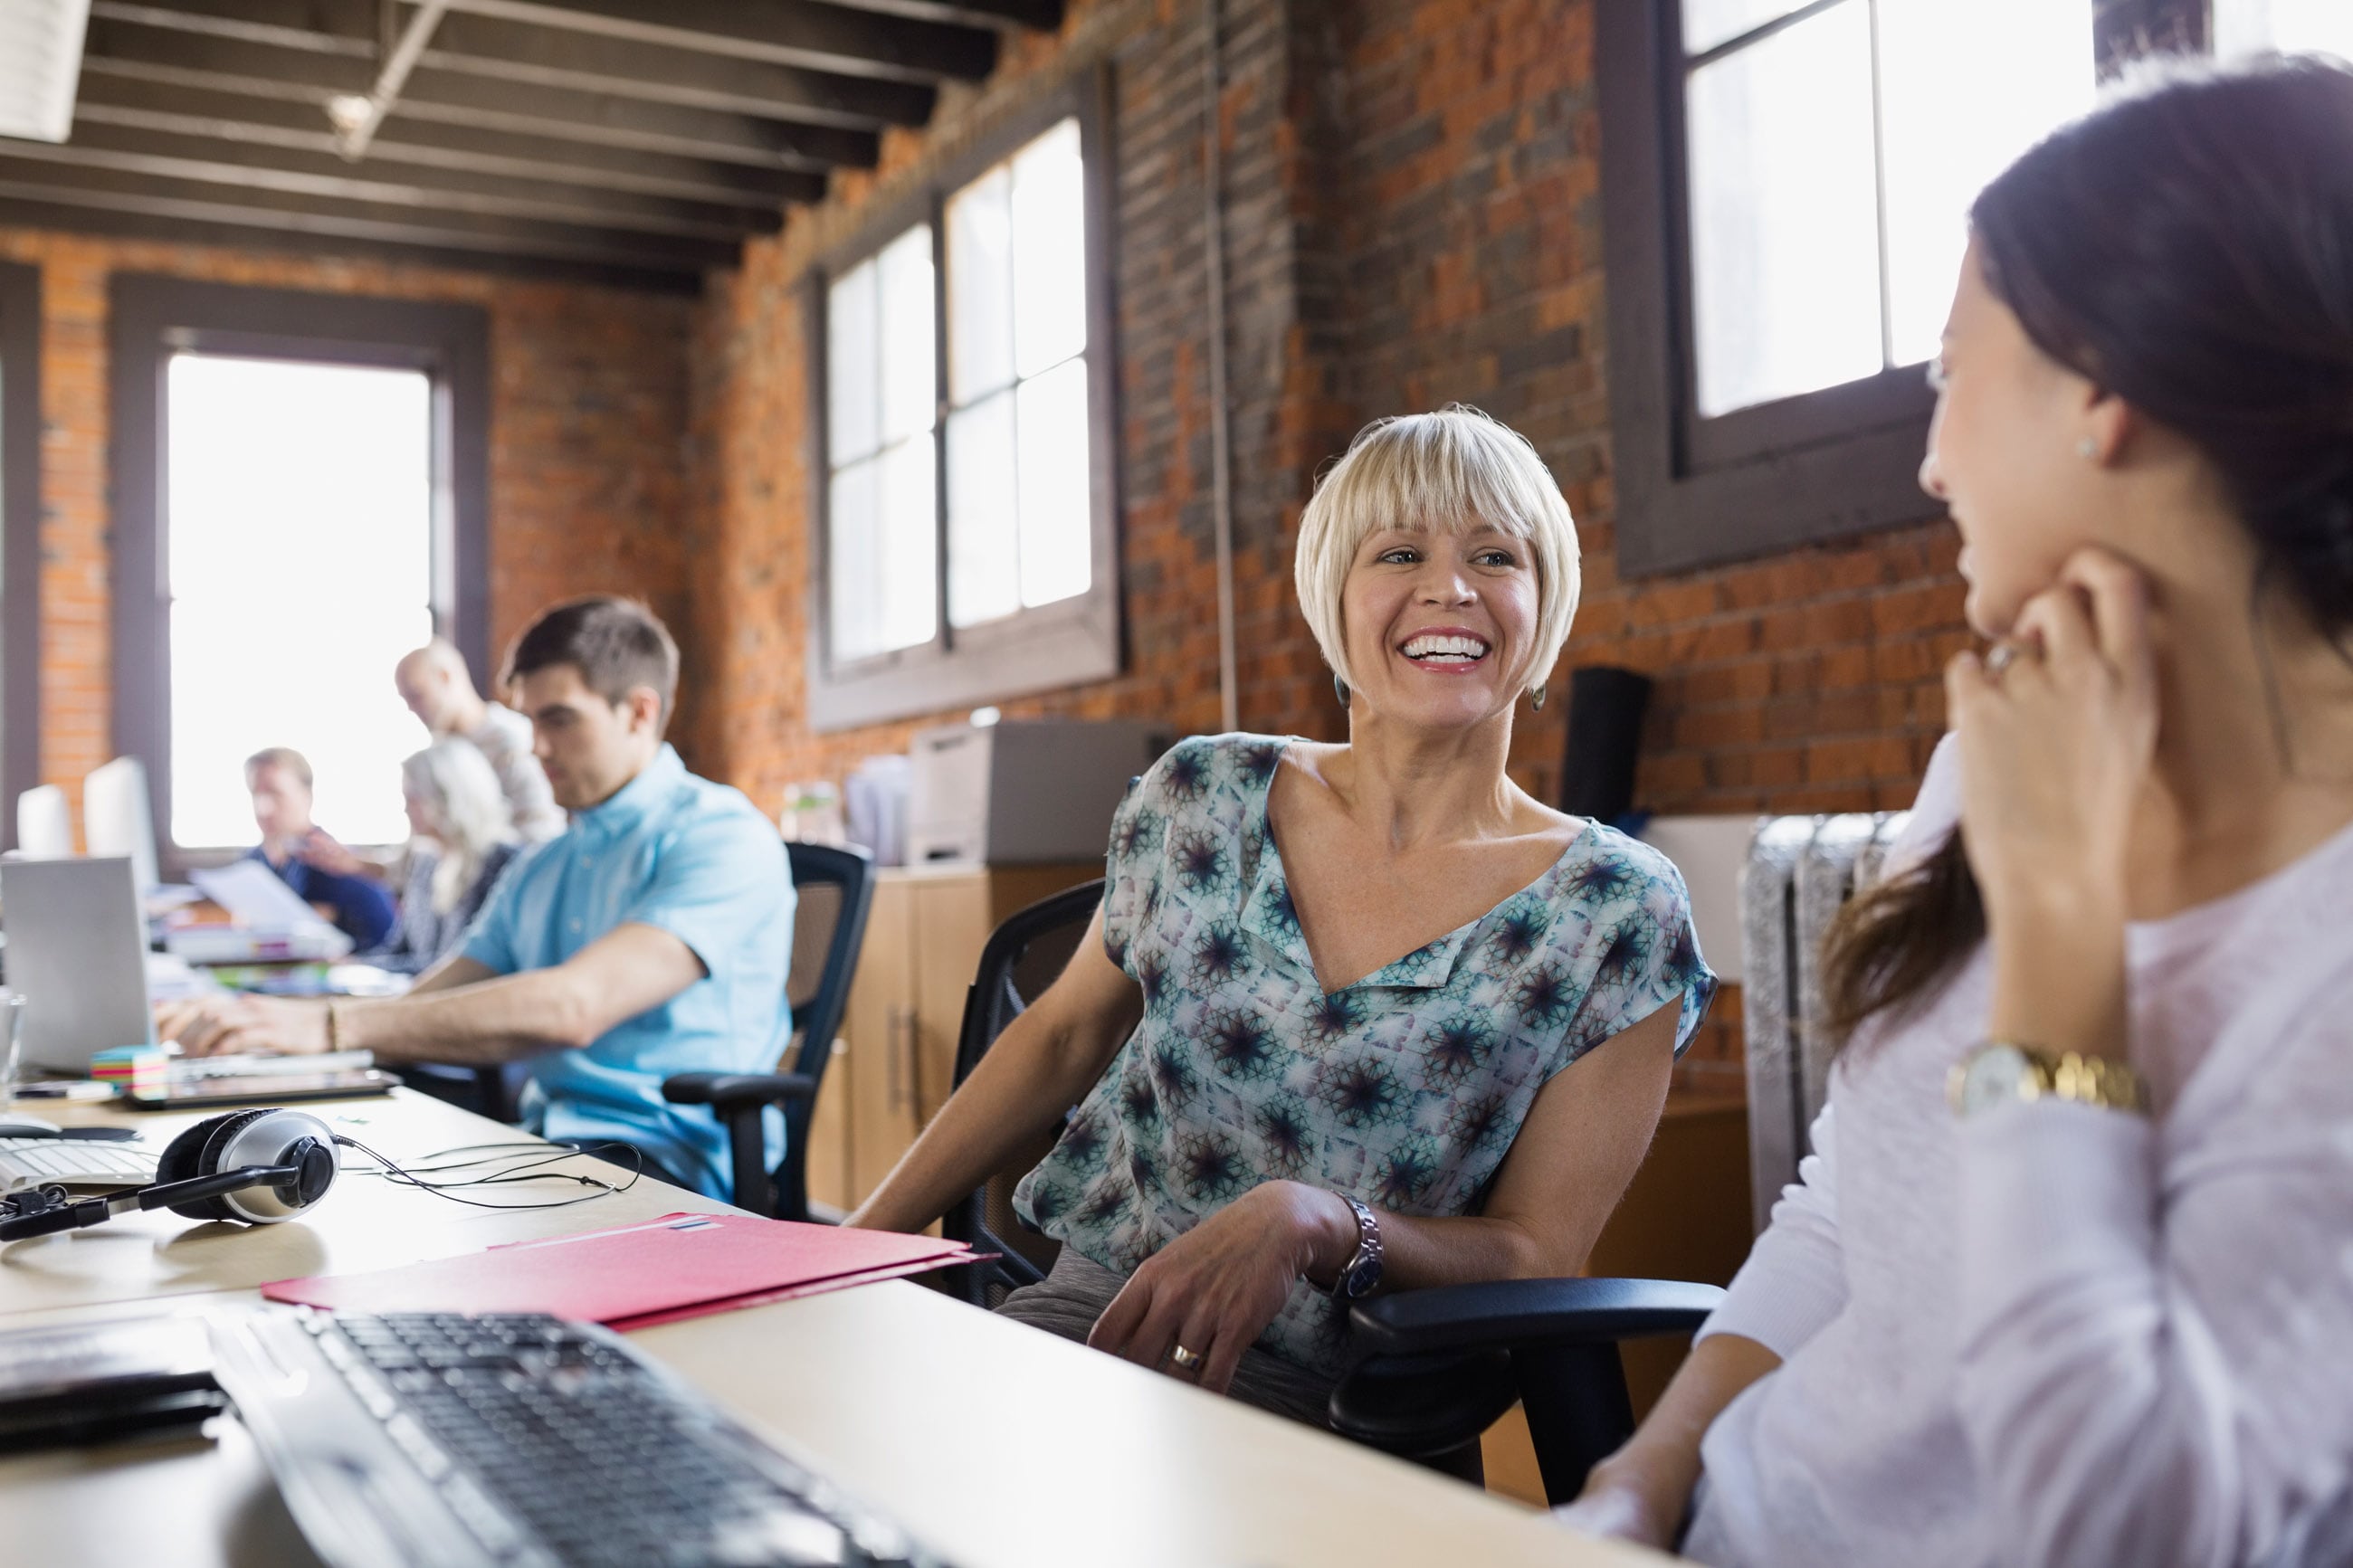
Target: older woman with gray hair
463,835
1352,1016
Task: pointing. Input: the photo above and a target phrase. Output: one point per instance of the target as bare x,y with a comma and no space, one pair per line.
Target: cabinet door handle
896,1049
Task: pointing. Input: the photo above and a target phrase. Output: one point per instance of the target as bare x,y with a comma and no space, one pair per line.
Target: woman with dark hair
2068,1277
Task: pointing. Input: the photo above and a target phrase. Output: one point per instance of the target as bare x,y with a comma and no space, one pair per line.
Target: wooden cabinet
895,1060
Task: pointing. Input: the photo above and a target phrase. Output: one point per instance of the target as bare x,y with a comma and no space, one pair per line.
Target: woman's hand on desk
222,1026
1214,1289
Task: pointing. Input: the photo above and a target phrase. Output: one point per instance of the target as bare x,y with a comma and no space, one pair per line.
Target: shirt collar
628,806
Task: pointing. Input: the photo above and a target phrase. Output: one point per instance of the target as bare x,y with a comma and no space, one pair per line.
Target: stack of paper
681,1266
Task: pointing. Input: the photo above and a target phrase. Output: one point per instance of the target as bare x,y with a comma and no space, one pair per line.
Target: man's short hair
618,645
286,757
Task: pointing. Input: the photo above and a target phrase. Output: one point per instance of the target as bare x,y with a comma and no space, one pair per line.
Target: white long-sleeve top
2058,1334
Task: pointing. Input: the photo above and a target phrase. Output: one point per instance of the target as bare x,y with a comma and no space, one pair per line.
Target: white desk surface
999,1446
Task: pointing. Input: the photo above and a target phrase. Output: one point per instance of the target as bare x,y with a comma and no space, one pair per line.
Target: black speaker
1606,705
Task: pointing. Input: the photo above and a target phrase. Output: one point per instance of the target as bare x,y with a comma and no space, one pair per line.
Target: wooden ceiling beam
254,232
80,184
1039,16
784,32
301,124
513,51
519,52
179,153
225,64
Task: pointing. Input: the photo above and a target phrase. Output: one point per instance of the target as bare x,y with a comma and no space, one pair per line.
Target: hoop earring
1340,691
1536,699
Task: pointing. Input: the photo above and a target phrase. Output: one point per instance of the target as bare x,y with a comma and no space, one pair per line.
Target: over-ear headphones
260,1166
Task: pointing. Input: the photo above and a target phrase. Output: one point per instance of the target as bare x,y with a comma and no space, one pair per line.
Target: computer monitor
78,953
115,818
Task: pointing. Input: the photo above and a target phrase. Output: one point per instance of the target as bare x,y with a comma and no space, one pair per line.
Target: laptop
78,951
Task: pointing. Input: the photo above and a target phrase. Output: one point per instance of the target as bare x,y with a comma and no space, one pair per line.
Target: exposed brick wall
1411,201
587,467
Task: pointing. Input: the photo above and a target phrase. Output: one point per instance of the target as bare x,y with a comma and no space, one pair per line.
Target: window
299,568
301,485
966,494
2290,27
1786,192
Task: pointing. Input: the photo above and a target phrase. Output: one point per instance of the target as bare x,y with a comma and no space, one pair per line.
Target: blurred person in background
326,875
433,682
464,837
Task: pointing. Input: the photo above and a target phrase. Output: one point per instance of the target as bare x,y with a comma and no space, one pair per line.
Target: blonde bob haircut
1450,473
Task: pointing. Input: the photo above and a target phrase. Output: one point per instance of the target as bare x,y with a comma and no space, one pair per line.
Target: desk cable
525,1162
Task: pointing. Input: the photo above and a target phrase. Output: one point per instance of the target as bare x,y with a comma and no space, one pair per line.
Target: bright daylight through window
1835,149
1017,526
2291,27
1018,473
300,569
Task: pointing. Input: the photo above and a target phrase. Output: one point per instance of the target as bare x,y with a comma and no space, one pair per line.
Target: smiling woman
1352,1016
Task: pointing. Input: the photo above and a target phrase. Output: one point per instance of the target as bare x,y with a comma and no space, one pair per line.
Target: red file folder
681,1266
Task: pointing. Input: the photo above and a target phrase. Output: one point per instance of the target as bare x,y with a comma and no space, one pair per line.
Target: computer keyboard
72,1163
521,1441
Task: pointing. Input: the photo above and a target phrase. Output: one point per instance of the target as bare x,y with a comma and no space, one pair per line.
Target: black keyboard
521,1441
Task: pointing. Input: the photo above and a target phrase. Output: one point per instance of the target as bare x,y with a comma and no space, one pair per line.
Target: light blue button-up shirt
690,857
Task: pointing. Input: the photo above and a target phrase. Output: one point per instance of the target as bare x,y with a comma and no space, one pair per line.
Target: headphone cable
527,1171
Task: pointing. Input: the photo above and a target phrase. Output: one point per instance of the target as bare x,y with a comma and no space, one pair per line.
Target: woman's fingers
2118,596
1119,1320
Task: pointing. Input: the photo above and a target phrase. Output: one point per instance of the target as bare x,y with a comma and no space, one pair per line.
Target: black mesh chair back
1021,958
835,891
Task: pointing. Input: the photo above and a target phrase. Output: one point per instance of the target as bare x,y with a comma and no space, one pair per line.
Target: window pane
1050,260
909,350
984,552
907,572
1785,232
851,365
1055,476
1964,90
1707,23
852,567
2291,27
980,288
306,489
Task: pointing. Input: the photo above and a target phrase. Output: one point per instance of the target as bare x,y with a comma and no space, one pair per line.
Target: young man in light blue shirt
650,938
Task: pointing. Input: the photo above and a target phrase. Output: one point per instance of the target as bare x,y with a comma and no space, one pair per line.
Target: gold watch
2001,1071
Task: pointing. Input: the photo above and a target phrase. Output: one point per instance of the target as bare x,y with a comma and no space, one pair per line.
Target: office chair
836,888
1441,1365
1020,959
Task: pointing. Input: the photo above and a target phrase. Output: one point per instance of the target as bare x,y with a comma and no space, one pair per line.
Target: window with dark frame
966,491
402,361
1785,191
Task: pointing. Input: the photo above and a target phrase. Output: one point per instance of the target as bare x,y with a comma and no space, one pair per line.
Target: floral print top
1404,1090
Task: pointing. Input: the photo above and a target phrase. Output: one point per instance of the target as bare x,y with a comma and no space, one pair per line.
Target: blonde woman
464,834
1352,1016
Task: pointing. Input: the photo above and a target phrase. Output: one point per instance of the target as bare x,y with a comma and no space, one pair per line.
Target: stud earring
1536,699
1340,691
2087,448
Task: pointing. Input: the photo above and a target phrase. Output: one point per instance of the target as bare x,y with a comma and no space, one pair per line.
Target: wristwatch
2001,1071
1361,1275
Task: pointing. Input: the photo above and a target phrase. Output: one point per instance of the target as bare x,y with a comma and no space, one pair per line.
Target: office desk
948,1418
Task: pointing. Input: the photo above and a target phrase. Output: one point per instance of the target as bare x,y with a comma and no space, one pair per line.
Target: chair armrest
729,1091
1502,1314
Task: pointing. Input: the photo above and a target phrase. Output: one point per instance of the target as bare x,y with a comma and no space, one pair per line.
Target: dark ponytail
2189,247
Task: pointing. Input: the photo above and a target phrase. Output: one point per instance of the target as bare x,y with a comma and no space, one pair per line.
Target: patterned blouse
1404,1090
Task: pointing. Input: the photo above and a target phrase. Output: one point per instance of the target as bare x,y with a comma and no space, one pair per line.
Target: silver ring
2003,655
1184,1360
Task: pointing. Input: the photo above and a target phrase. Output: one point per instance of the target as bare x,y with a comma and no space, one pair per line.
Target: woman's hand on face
1214,1289
2056,747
